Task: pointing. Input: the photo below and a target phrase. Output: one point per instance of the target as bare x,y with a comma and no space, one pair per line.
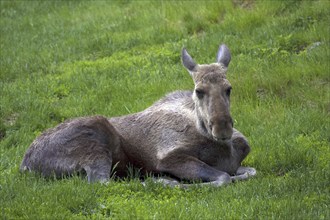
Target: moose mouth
221,140
223,137
222,134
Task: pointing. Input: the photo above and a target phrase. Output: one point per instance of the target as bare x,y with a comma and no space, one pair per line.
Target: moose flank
187,135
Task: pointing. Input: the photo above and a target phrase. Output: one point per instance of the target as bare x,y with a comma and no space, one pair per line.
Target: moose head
212,95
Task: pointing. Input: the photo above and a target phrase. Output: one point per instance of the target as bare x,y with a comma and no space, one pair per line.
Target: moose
185,136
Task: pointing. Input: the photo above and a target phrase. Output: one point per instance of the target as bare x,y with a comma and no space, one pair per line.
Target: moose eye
228,91
199,93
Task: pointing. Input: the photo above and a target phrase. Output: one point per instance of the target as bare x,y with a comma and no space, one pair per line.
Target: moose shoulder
187,135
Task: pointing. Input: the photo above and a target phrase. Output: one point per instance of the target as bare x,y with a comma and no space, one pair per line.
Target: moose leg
240,145
190,168
98,171
242,149
167,181
243,173
97,149
81,144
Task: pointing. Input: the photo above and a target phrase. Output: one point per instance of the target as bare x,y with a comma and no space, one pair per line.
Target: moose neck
200,125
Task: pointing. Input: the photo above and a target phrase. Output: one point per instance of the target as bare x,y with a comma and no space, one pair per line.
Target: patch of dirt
246,4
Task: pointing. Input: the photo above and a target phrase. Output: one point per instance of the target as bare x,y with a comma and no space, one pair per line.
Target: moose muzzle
222,129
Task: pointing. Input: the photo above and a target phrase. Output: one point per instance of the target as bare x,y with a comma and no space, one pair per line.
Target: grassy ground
62,59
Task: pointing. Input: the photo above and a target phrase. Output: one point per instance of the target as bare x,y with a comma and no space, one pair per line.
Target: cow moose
187,135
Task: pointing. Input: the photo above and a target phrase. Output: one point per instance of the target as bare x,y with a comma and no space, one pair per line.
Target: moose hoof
248,170
244,173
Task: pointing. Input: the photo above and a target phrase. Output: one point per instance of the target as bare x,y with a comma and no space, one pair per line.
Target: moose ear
187,61
223,55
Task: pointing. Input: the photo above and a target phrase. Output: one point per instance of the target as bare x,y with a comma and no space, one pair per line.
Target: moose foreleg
192,169
243,173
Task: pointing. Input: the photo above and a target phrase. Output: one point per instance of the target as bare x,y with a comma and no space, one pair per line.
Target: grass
64,59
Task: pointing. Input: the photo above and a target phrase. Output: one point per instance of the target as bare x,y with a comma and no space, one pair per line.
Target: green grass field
65,59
